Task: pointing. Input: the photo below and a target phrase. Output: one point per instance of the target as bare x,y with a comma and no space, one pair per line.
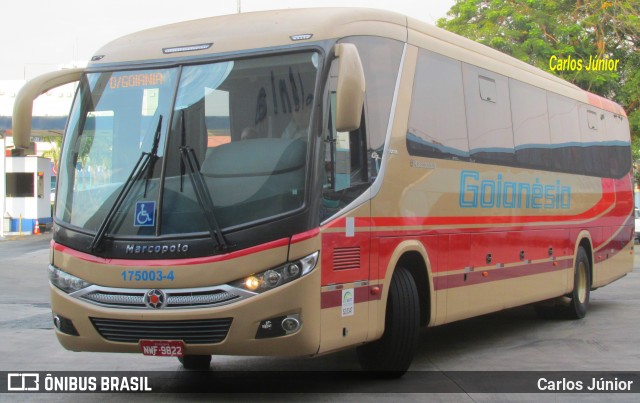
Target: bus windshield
214,149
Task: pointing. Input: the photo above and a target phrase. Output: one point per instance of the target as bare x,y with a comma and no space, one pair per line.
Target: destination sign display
136,80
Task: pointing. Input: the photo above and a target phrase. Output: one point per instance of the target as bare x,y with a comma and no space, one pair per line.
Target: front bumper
301,297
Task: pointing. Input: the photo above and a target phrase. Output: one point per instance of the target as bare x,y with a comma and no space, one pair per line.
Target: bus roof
266,29
254,30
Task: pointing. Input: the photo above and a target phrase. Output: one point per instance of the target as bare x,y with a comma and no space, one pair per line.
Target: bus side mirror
350,88
23,106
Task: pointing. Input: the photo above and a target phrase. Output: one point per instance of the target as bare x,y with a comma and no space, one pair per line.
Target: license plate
162,348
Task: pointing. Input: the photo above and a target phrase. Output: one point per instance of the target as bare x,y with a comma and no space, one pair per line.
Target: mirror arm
23,106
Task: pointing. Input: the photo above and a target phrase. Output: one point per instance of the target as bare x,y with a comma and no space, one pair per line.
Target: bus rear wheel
195,362
575,304
391,355
579,297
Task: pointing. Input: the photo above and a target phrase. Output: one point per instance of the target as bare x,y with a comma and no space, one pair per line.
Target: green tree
535,30
54,152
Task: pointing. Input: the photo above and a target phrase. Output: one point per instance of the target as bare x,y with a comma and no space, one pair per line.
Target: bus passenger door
346,237
345,281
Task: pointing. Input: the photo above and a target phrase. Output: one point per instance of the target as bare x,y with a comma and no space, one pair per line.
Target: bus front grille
174,299
203,331
177,298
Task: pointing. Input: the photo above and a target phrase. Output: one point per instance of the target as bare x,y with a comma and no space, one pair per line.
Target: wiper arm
153,155
203,196
144,165
201,191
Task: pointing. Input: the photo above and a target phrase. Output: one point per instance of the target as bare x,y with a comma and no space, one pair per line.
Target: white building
50,112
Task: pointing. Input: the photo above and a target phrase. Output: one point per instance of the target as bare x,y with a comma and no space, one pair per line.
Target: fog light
269,328
290,325
56,321
64,325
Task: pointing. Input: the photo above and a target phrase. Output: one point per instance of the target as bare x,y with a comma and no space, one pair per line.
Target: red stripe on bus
605,104
507,273
305,235
607,200
188,261
173,262
604,203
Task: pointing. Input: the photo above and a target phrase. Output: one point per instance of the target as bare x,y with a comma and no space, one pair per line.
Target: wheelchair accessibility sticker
145,215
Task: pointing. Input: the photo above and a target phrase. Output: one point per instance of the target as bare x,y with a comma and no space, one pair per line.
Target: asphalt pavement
512,340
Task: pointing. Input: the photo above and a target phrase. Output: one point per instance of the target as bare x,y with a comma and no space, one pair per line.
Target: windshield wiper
201,191
144,165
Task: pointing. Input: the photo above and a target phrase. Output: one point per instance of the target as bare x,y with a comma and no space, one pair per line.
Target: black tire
575,304
579,297
391,355
195,362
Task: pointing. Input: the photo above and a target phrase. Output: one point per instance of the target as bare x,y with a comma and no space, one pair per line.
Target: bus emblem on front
155,299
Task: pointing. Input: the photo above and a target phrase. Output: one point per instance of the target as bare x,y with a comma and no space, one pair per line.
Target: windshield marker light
188,48
301,37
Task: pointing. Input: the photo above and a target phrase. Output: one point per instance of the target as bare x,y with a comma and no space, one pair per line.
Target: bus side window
342,161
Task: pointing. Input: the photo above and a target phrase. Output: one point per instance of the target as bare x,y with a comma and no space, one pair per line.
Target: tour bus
297,182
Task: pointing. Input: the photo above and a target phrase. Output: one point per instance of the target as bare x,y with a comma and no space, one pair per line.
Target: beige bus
303,181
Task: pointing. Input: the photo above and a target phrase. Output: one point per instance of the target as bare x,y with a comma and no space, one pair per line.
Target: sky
39,35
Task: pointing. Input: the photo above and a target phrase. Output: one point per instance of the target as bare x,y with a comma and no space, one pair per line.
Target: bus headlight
65,281
272,278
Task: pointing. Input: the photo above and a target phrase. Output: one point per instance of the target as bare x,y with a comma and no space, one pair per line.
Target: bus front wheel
391,355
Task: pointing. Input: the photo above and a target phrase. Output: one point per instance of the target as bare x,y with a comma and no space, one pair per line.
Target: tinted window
531,135
437,126
486,96
381,62
510,123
